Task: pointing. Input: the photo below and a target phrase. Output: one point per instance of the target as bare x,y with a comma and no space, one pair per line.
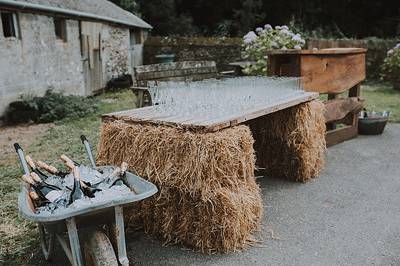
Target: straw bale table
254,118
204,167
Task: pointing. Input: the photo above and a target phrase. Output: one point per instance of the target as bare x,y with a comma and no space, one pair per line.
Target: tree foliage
339,18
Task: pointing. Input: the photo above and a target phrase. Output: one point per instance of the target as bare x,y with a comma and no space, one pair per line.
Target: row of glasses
214,98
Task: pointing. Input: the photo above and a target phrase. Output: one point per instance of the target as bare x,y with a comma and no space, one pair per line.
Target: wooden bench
148,75
328,71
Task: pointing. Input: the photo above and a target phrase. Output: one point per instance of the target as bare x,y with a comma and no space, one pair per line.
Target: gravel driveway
349,216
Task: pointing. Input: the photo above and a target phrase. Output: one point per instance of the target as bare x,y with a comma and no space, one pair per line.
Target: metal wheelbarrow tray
91,221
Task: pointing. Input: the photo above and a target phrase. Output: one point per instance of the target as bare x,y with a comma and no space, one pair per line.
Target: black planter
374,124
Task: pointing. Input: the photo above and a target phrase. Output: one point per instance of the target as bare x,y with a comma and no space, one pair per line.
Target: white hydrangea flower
391,51
268,27
285,27
296,38
274,44
284,32
278,27
259,29
297,47
250,37
283,48
397,46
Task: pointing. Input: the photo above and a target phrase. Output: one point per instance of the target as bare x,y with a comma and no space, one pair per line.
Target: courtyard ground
350,215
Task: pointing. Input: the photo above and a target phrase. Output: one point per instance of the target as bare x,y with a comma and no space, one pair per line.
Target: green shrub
263,39
51,107
390,69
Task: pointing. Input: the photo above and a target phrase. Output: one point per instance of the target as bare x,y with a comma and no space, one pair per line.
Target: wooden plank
338,109
326,51
193,77
332,73
174,65
355,91
338,135
330,126
174,73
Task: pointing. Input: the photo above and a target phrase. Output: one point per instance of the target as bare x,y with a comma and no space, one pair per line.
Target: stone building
65,45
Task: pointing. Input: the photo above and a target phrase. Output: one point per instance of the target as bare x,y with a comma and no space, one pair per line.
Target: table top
331,51
197,122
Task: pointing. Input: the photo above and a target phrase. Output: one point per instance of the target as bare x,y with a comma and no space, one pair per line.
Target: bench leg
140,99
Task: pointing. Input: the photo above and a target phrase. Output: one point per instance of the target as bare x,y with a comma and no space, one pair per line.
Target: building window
10,24
135,37
60,27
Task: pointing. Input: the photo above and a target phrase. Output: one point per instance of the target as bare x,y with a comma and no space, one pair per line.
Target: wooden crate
328,71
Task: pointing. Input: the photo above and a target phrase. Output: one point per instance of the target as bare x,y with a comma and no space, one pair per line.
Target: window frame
136,36
60,29
13,23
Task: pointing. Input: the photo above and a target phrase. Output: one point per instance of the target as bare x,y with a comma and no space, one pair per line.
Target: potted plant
390,69
256,43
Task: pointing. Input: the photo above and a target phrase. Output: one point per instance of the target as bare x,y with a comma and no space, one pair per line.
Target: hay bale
189,161
291,143
208,196
222,223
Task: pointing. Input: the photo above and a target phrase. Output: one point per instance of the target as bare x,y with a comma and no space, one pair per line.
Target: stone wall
38,61
226,50
115,51
221,50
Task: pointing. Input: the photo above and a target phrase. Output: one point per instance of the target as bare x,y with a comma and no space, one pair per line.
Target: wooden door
91,56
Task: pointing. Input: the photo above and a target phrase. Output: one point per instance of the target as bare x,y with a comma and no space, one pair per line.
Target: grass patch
18,236
382,97
379,97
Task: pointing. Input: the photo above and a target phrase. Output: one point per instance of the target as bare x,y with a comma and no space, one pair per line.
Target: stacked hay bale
208,196
291,143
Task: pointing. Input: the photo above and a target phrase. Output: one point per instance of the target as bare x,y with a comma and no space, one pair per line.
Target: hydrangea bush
390,70
257,42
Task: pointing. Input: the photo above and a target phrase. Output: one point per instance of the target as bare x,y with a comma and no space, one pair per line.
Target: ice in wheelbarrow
106,185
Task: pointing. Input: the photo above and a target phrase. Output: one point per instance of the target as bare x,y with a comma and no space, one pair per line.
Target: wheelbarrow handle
88,150
21,156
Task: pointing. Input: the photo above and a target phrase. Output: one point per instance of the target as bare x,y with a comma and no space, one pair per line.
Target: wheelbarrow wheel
98,249
46,242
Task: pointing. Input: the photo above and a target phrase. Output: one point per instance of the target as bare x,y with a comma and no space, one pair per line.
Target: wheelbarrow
99,227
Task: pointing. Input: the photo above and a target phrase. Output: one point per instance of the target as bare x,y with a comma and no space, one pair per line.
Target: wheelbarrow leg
74,242
120,235
47,244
